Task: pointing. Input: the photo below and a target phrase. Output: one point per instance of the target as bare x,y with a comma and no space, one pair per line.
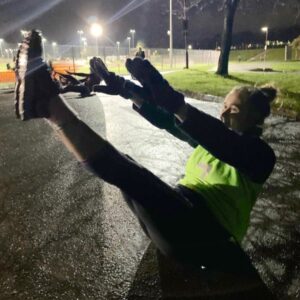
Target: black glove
161,93
116,85
34,86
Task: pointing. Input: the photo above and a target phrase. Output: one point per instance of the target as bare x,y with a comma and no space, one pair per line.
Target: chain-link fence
116,56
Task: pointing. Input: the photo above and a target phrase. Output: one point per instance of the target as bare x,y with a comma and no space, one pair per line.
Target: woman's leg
174,223
178,226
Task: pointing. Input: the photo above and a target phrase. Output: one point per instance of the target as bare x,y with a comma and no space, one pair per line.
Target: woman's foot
34,85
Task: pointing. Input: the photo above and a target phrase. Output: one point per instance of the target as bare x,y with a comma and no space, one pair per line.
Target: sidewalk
66,235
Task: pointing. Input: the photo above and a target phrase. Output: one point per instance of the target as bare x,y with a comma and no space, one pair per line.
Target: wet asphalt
65,234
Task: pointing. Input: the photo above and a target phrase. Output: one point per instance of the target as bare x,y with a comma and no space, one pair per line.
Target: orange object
61,67
7,76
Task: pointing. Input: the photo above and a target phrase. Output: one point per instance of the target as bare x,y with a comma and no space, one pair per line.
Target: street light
185,32
266,30
118,55
170,32
129,39
118,48
80,32
54,44
84,41
43,45
96,30
132,31
1,41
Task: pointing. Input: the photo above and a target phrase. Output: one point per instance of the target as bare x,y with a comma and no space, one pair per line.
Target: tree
230,7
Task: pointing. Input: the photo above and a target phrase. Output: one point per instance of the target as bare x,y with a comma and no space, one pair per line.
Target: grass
244,55
197,81
286,66
273,54
6,85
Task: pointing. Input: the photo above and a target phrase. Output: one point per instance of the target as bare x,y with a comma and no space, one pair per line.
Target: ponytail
261,99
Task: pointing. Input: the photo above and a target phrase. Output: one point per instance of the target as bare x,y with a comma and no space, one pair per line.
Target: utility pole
171,34
266,30
185,33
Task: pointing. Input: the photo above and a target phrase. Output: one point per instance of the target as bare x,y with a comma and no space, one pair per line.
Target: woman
203,219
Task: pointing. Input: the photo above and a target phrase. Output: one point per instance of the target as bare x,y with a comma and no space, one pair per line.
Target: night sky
59,21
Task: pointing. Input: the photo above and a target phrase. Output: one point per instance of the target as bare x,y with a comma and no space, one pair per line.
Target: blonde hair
258,98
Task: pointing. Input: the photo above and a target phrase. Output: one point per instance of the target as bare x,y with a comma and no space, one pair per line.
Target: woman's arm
162,120
247,153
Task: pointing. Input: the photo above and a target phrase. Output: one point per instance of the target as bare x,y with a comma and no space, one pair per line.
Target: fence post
73,58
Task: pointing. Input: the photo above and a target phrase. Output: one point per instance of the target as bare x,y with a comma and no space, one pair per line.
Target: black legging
177,220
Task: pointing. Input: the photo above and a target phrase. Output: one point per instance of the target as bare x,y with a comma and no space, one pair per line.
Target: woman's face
235,112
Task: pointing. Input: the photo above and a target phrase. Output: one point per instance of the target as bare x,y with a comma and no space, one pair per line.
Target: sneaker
34,86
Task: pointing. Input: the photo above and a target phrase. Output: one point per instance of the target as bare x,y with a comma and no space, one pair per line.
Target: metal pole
185,31
266,46
171,34
44,52
1,40
133,40
73,58
129,46
118,56
97,46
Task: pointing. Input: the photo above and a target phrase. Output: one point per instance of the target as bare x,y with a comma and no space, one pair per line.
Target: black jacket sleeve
164,120
247,153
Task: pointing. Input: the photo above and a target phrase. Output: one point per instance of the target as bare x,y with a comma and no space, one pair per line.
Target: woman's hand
161,93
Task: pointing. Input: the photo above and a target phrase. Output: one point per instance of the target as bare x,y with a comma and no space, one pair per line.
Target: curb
6,90
203,97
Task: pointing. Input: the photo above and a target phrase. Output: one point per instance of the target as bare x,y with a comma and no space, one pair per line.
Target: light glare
96,30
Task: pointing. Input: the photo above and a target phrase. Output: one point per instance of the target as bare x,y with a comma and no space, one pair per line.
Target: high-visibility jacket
227,168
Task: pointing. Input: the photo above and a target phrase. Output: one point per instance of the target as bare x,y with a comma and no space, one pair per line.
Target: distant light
132,31
1,40
190,47
128,38
118,43
264,29
96,30
44,40
79,32
54,44
83,39
168,32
